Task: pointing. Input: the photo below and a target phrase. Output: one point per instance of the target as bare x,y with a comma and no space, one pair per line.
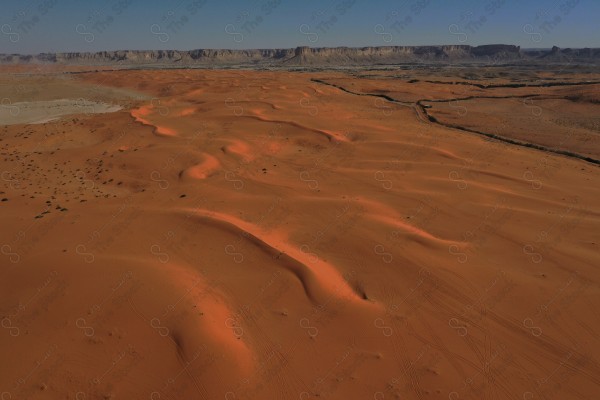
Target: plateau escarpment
493,53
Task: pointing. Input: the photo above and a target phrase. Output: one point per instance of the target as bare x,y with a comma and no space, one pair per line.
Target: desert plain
392,233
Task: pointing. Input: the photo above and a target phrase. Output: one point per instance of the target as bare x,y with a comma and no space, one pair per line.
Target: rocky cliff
333,56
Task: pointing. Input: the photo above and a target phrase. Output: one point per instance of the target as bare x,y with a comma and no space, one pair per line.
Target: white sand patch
39,112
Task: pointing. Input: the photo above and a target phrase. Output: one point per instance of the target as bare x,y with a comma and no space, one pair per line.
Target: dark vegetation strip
509,85
567,153
434,120
383,96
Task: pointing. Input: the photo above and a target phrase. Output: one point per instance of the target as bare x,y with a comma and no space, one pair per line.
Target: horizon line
296,47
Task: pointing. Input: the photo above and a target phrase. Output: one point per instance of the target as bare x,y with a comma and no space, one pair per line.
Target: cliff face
334,56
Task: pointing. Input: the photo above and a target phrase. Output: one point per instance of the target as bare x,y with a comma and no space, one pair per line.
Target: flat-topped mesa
302,50
403,54
322,56
496,49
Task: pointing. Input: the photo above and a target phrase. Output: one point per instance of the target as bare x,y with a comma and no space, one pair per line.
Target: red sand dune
143,114
204,169
259,235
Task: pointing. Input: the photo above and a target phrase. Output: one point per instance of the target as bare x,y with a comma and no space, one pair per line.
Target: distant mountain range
334,56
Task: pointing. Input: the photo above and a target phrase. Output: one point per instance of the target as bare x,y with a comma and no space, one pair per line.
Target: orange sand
258,235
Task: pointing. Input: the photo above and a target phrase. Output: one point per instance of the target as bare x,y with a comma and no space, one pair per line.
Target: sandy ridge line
318,277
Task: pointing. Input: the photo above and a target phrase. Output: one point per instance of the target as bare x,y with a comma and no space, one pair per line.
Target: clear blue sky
34,26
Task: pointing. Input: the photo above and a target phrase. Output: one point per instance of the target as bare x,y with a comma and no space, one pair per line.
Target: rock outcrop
307,56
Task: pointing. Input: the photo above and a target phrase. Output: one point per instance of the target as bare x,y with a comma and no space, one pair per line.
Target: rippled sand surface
266,235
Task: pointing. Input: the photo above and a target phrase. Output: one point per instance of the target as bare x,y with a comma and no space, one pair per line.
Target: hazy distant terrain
337,56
